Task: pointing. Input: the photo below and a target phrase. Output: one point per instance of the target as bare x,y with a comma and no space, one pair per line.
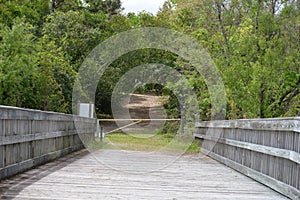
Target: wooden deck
81,176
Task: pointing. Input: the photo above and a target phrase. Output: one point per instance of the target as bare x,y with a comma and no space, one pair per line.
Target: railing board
31,137
270,147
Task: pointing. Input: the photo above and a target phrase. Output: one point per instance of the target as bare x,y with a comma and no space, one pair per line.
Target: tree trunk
262,99
52,6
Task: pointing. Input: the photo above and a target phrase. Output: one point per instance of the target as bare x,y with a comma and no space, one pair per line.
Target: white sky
136,6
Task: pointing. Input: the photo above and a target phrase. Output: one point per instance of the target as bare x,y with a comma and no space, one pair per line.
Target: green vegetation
140,142
254,43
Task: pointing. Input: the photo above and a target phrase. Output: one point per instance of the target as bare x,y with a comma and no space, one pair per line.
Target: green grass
141,142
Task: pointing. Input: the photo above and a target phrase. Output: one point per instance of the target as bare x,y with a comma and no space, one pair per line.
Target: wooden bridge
40,158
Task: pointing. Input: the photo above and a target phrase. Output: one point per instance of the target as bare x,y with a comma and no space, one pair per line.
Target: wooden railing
267,150
29,138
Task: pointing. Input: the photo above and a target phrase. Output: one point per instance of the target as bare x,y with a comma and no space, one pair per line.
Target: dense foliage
254,43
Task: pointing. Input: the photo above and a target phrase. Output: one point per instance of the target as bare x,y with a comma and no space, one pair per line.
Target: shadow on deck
80,176
10,188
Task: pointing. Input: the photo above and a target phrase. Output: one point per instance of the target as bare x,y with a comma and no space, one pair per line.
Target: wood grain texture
31,137
282,153
81,176
265,149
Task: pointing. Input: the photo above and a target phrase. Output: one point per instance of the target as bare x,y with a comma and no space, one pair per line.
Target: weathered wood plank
273,124
269,147
282,153
31,137
81,176
267,180
35,136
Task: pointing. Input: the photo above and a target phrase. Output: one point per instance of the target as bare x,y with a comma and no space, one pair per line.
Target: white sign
86,110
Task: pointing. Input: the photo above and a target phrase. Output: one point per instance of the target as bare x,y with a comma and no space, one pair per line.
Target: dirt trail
139,107
141,104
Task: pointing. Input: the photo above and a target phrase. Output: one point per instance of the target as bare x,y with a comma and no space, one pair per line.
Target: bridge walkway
80,176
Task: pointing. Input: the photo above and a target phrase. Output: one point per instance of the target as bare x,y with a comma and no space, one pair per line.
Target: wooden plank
269,147
30,135
35,136
282,153
19,167
281,187
81,176
274,124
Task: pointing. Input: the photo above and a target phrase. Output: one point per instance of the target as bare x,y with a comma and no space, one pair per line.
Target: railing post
101,133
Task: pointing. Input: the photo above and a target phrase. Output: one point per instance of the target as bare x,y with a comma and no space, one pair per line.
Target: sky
136,6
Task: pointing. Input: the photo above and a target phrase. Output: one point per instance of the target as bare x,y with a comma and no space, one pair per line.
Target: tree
32,12
33,73
77,33
110,7
254,44
56,77
65,5
19,68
